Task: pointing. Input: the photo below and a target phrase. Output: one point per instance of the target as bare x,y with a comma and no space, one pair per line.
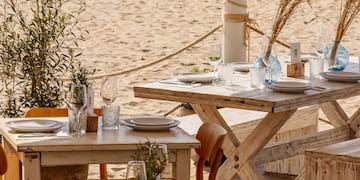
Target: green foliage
81,75
155,162
197,69
36,50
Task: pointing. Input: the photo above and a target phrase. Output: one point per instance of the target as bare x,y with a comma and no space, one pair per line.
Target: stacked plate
341,76
34,125
195,77
290,87
150,123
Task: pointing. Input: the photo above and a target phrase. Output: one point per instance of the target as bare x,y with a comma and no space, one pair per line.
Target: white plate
127,122
242,67
151,121
289,90
195,77
343,74
34,125
290,84
340,79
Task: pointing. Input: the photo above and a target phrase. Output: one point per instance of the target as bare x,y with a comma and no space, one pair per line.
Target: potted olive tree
37,47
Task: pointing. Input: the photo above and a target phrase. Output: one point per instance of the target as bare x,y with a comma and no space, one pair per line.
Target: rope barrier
156,61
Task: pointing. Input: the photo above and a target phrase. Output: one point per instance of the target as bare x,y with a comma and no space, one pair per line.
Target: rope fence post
235,16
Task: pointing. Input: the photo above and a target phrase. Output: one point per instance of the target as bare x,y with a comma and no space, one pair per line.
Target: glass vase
273,68
341,57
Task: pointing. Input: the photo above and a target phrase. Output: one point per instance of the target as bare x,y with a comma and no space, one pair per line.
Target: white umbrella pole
234,15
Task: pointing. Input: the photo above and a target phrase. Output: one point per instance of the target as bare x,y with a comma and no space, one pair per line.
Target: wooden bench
340,161
242,122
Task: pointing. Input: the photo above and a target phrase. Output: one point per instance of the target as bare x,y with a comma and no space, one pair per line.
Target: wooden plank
64,158
209,113
14,171
257,139
31,166
355,122
248,98
183,164
336,161
298,145
334,113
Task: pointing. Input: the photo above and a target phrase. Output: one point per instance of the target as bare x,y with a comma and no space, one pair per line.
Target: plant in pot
268,60
336,54
37,48
155,159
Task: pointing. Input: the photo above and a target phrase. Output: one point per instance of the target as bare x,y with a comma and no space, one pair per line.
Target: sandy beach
127,34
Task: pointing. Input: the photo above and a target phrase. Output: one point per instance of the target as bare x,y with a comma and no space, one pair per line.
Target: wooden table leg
354,122
334,113
31,166
183,164
254,142
14,171
211,114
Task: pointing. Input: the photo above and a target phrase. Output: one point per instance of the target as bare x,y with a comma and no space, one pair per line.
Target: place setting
341,76
150,123
36,128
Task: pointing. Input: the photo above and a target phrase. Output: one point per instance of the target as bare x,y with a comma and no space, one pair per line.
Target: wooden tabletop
123,139
242,96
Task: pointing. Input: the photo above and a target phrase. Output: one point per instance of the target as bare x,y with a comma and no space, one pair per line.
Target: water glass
316,67
110,117
76,102
225,71
136,170
257,77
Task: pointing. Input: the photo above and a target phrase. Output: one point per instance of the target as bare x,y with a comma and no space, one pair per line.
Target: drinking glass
214,57
136,170
77,102
162,153
108,90
257,77
323,39
316,67
225,71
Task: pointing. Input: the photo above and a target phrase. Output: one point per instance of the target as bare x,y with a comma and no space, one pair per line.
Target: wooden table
93,148
243,156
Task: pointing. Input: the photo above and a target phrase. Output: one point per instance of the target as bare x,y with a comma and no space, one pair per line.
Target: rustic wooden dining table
242,157
104,146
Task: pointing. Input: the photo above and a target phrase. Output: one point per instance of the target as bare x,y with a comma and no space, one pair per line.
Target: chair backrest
211,137
52,112
3,161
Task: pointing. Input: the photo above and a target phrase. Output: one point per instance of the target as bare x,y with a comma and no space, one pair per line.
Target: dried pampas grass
285,10
350,10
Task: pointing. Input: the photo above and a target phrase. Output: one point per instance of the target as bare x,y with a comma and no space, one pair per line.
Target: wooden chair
63,112
3,161
211,137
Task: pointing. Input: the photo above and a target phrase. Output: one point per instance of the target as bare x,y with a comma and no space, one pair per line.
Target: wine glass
136,170
77,102
108,90
323,39
214,57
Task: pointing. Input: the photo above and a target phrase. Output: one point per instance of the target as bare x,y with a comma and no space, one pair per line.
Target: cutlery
318,88
192,84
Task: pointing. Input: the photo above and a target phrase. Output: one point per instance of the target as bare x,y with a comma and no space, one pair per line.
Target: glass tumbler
110,117
136,170
257,77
